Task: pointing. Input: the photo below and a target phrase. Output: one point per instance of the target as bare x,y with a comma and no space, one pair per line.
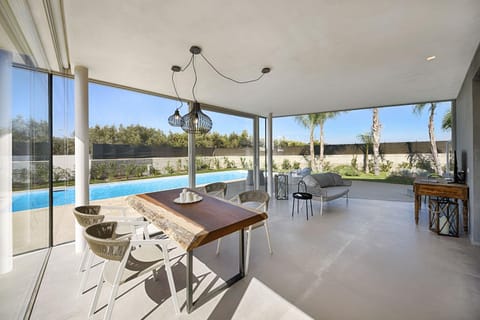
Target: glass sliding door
30,160
262,148
133,149
63,170
225,154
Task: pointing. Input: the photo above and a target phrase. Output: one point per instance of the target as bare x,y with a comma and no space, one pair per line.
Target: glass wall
63,174
394,143
31,160
226,149
133,150
262,146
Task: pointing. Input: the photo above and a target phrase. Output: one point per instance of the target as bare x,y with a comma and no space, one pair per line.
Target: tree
376,126
309,121
367,140
29,131
418,109
320,120
447,120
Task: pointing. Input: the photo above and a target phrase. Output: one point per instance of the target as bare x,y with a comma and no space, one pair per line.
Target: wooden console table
436,188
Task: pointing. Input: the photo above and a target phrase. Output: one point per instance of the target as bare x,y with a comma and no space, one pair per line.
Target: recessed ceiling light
430,58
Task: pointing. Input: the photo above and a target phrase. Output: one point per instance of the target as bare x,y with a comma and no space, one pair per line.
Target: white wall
467,139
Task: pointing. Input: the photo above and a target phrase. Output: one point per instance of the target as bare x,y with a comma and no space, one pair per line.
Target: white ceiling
325,55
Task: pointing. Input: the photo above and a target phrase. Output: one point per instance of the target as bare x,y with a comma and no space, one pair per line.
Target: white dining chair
91,214
257,200
126,259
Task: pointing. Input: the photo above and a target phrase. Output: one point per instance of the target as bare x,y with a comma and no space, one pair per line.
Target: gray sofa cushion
329,179
328,185
337,179
310,181
332,193
324,179
312,184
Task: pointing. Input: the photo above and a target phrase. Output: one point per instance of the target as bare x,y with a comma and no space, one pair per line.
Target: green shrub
229,164
244,162
178,165
296,165
346,170
112,169
129,170
286,165
386,166
61,174
201,164
327,167
169,169
404,165
140,170
216,164
98,171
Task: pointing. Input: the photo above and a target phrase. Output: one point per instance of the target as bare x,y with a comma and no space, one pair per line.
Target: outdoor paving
381,191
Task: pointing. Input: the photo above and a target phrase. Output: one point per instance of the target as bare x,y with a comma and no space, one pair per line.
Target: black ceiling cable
264,71
196,78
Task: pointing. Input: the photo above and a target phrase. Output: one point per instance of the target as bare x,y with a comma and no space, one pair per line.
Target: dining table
197,223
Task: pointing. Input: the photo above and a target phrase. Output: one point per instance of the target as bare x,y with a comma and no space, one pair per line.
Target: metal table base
228,283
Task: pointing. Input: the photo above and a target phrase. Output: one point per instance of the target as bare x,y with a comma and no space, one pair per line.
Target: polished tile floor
367,260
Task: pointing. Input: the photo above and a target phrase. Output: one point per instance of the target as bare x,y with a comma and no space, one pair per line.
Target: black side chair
302,194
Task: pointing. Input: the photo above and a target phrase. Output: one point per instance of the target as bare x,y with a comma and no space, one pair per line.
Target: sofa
326,187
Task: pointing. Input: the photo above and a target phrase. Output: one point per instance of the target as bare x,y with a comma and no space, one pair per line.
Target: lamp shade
175,120
196,121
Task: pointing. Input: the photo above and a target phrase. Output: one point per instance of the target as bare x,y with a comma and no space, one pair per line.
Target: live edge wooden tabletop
193,225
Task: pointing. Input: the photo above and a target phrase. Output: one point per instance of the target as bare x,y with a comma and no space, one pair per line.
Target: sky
113,106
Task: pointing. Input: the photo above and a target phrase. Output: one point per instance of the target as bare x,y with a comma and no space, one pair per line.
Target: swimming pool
26,200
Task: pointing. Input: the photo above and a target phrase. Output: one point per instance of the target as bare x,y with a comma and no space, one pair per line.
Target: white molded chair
216,189
90,215
258,200
126,259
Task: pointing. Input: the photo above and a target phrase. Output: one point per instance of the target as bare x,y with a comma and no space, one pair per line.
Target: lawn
382,177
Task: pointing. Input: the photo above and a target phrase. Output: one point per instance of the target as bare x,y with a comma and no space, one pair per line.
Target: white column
81,148
6,241
256,153
269,150
192,169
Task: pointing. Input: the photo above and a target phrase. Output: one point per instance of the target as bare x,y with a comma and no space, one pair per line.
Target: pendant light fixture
175,120
196,121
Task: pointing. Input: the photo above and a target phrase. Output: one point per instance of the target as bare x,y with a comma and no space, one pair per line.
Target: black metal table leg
241,254
189,281
241,273
293,206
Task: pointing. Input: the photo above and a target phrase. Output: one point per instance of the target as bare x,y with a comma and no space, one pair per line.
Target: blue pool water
26,200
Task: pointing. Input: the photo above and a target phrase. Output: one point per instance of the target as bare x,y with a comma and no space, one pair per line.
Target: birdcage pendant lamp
175,120
196,121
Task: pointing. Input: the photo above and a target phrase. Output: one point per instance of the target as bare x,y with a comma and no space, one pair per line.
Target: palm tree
366,139
376,126
418,109
309,121
321,118
447,120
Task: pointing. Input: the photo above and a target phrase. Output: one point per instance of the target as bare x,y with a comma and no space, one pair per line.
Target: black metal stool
302,195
